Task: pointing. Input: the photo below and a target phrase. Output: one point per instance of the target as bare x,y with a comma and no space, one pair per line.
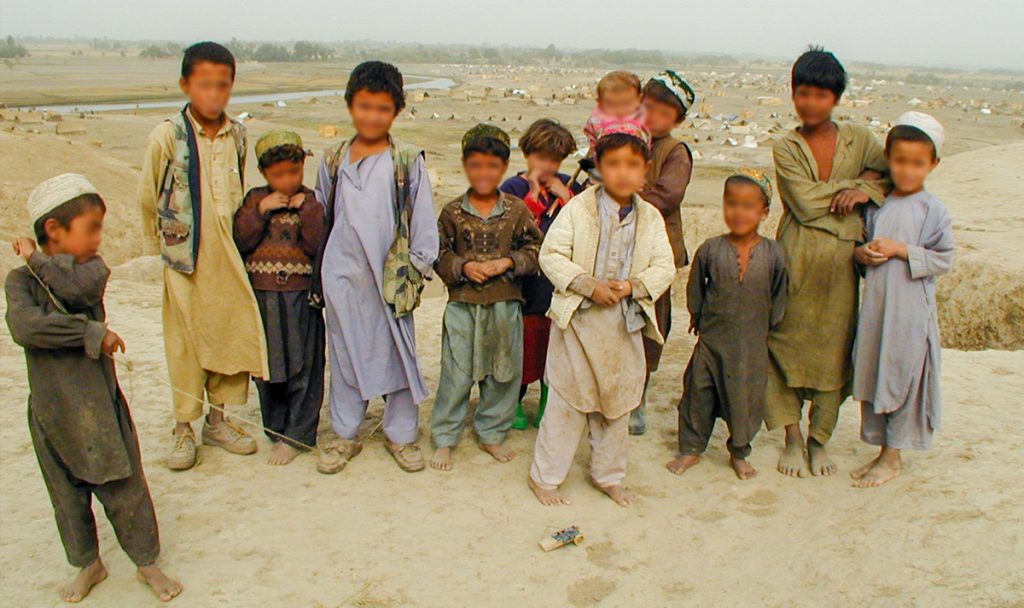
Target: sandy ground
238,532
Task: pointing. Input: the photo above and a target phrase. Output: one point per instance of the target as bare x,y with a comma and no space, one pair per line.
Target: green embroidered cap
273,139
759,178
485,131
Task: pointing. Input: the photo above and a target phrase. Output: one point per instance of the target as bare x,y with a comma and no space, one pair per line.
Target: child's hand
845,201
623,289
474,271
604,295
559,189
500,266
273,202
889,248
296,200
866,256
534,183
112,343
24,247
692,329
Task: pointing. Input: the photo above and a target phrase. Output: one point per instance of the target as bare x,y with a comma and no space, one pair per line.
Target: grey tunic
375,352
733,317
898,349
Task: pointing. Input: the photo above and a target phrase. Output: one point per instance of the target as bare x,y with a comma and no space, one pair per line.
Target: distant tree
10,49
155,52
271,52
311,51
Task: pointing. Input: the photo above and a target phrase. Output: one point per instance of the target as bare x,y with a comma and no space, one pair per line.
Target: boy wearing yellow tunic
191,186
825,171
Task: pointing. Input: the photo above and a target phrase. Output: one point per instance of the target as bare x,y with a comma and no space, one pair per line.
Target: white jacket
570,250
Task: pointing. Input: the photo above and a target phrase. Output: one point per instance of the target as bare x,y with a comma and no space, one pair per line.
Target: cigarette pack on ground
570,535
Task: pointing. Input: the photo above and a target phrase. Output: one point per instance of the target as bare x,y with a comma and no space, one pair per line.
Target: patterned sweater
279,247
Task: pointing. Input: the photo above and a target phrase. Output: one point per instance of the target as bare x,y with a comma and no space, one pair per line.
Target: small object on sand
570,535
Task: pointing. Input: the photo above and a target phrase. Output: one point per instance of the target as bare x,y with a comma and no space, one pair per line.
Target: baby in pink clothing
618,100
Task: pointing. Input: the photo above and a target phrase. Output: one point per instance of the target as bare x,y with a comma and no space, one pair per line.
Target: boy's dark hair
743,179
210,52
486,145
614,141
284,152
819,68
67,212
908,133
547,136
660,93
376,77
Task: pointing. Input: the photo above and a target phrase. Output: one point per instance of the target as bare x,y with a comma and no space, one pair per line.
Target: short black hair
487,145
289,152
660,93
614,141
210,52
743,179
67,212
376,77
819,68
909,133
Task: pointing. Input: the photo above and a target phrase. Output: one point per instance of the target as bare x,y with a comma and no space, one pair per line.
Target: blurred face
622,171
814,105
660,117
744,208
544,166
284,176
484,172
372,114
81,239
910,162
619,103
208,89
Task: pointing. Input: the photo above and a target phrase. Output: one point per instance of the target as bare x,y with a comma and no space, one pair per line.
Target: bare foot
616,492
499,451
821,464
164,588
792,461
85,580
282,454
860,472
548,498
682,463
743,469
880,473
442,460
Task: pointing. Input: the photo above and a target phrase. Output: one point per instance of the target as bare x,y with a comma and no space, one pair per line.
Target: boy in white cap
908,243
78,417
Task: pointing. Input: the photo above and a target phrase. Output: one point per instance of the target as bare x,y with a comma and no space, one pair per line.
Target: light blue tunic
374,351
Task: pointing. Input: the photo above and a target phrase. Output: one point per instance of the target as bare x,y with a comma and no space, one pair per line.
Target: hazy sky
982,33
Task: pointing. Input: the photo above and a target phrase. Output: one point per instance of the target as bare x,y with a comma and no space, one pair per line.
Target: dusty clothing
278,247
813,344
213,334
465,236
372,353
728,371
667,178
784,405
663,318
78,418
481,344
898,346
291,400
559,437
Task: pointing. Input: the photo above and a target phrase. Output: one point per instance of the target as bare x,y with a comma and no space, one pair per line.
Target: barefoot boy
191,187
372,266
736,293
545,145
824,172
78,418
489,241
278,231
609,259
667,99
909,244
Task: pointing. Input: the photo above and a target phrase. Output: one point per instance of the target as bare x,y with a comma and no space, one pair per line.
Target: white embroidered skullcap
927,124
56,191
